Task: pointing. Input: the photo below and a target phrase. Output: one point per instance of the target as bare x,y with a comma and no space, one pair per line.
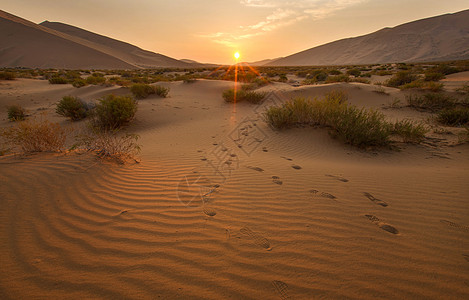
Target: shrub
338,78
243,95
109,144
57,80
431,101
72,107
456,116
282,78
161,91
334,72
355,126
36,136
141,90
79,82
434,86
354,72
409,131
432,76
401,78
112,112
15,113
5,75
95,80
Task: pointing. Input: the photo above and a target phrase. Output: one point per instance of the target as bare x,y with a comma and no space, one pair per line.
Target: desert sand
220,206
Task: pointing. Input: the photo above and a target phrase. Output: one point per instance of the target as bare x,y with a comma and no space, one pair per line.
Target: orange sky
212,30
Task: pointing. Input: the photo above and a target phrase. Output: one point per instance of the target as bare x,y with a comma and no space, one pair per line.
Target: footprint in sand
455,225
265,149
322,194
375,200
281,288
256,238
209,211
466,257
277,180
384,226
296,167
255,168
339,178
286,158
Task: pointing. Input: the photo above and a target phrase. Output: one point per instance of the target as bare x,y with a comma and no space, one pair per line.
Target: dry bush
109,145
35,136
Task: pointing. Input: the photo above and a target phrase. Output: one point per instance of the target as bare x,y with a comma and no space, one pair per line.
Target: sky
211,31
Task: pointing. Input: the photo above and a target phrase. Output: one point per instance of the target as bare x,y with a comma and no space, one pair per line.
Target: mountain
57,45
440,38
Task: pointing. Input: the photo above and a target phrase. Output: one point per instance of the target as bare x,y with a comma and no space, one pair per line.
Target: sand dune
26,44
296,215
438,38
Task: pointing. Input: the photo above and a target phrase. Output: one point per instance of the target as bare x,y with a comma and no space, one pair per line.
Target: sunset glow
236,55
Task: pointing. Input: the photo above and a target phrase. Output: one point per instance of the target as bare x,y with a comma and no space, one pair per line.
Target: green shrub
282,78
57,80
79,82
95,80
334,72
338,78
431,101
35,136
433,76
5,75
354,72
15,113
161,91
112,111
141,90
456,116
409,131
355,126
243,95
71,107
401,78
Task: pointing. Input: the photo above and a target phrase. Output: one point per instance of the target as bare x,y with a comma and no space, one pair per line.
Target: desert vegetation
72,107
242,95
356,126
16,113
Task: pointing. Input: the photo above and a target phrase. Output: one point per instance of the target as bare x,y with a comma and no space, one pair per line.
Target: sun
236,55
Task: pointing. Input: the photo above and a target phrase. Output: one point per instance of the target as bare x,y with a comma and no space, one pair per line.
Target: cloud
283,13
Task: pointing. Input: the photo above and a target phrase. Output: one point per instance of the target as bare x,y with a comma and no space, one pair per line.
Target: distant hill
264,62
440,38
57,45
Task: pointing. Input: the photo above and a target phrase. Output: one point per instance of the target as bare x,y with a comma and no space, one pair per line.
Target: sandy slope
439,38
293,215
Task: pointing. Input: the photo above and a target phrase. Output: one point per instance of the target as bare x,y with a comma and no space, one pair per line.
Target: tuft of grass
355,126
358,127
411,132
243,95
455,116
431,101
112,112
72,107
36,136
434,76
16,113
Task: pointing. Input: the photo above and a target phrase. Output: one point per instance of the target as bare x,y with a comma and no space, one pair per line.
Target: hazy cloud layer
284,13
